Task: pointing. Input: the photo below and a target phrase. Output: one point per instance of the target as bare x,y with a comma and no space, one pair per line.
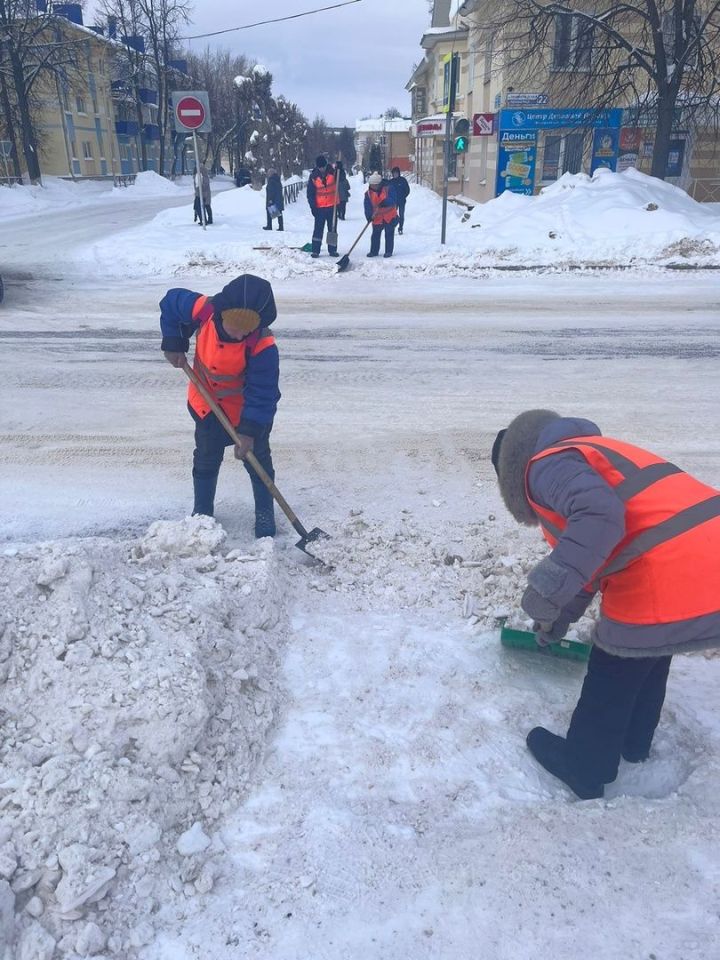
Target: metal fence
705,189
291,191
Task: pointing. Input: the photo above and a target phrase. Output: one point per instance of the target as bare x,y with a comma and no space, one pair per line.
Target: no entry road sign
192,111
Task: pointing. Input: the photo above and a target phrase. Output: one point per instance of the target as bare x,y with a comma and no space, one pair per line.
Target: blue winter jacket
262,373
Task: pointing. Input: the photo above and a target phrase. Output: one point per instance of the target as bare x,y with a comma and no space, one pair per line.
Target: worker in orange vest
237,358
322,195
381,208
644,534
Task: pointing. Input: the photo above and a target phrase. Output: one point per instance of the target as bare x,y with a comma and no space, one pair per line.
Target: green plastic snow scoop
306,248
525,640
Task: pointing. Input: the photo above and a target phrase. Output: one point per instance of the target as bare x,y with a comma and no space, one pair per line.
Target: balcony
148,96
126,128
151,131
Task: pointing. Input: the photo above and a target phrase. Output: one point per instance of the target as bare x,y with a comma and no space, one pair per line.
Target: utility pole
454,63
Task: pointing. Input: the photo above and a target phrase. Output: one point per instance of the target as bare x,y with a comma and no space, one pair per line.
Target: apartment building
393,138
529,122
95,122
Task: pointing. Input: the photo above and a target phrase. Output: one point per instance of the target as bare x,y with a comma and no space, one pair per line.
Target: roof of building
381,125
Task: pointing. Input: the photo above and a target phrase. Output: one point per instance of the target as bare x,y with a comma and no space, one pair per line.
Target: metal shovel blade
343,263
315,534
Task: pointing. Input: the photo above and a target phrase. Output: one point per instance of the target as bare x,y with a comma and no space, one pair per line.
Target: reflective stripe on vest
665,568
381,214
325,190
221,366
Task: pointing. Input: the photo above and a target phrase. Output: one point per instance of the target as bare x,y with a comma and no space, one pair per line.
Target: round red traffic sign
190,112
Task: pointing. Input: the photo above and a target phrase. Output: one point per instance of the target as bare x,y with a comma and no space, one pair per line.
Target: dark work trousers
198,211
210,443
281,226
401,214
617,713
377,231
323,218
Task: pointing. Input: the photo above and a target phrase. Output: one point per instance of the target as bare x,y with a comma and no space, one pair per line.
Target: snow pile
150,184
54,194
609,217
137,692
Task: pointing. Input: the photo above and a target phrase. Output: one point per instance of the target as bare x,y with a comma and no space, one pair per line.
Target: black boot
550,751
204,487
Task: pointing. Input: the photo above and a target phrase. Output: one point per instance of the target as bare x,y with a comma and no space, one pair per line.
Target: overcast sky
343,64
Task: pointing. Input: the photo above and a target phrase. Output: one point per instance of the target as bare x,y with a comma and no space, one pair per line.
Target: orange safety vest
325,190
381,214
667,566
221,366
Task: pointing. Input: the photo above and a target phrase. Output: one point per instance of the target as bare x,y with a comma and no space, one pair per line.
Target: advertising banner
552,119
629,152
517,152
605,149
676,157
483,124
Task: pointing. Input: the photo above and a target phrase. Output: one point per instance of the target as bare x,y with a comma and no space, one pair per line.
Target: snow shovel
525,640
305,537
332,237
344,261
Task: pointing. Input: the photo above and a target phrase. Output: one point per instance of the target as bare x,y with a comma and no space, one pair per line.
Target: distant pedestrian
381,208
201,184
242,177
402,189
322,195
274,201
343,190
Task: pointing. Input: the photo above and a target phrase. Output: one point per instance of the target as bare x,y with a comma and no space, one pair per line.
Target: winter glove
547,633
241,449
539,607
176,359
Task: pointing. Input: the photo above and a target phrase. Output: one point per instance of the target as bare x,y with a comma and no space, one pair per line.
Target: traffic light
462,138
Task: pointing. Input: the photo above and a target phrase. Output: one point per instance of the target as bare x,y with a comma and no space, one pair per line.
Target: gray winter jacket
568,485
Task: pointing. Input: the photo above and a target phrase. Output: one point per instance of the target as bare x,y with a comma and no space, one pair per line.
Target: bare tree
35,52
162,20
658,58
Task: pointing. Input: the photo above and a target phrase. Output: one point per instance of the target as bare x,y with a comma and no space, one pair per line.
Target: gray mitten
538,607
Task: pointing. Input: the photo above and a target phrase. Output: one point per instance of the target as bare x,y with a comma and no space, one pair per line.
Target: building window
95,106
80,104
573,43
87,150
73,149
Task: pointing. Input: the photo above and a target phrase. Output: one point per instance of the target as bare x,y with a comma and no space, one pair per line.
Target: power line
261,23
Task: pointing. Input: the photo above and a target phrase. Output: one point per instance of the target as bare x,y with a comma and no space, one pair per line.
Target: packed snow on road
214,747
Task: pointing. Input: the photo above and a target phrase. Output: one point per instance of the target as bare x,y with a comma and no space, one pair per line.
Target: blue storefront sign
605,149
517,151
552,119
676,157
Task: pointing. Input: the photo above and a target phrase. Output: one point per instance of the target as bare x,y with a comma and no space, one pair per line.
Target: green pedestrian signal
461,144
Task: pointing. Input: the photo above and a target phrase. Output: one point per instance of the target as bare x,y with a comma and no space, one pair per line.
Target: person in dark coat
645,535
322,196
402,191
381,208
201,184
242,177
343,190
237,358
274,200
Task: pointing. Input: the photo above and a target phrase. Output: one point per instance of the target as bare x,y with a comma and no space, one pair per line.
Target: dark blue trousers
323,218
211,440
617,713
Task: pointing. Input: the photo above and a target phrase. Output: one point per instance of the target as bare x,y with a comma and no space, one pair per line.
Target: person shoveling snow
237,358
645,534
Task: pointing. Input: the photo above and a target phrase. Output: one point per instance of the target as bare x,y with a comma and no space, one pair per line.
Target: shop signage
516,162
483,124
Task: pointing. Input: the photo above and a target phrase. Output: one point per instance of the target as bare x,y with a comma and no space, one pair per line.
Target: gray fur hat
511,454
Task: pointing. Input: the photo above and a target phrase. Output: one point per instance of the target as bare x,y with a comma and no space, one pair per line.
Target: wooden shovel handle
249,456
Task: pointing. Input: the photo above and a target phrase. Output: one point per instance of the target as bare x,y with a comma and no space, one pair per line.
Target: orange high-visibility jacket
667,566
325,190
381,214
221,366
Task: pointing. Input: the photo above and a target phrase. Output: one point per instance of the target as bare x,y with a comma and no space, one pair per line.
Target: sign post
192,115
451,74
